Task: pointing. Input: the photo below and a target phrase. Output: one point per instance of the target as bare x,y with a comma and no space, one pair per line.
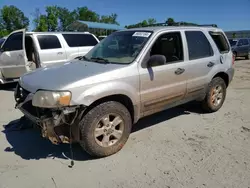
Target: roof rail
181,24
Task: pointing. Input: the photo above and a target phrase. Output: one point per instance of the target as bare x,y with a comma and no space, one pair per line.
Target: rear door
86,43
246,46
50,48
71,45
241,48
201,62
13,58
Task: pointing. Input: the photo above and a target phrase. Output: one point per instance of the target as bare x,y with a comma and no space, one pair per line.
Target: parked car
96,100
240,47
24,51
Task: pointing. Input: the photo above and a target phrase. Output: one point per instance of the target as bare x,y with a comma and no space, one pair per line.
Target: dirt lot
177,148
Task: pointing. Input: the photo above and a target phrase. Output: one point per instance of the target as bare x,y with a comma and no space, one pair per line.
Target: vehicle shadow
28,143
8,87
186,109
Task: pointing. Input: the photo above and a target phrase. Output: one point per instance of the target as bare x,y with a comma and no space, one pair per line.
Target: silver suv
129,75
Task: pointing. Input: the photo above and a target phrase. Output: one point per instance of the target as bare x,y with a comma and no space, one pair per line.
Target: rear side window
198,45
14,42
245,42
78,40
220,41
48,42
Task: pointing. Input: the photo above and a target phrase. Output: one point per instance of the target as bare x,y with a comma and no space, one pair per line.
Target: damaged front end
58,124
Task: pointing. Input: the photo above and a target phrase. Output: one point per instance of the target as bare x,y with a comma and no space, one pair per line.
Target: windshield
119,47
232,42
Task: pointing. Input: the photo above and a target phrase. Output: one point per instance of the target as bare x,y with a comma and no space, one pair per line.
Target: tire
207,104
96,146
248,56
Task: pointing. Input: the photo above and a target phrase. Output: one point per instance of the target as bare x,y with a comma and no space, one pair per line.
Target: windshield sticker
141,34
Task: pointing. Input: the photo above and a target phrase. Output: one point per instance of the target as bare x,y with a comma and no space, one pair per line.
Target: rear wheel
215,96
248,55
105,129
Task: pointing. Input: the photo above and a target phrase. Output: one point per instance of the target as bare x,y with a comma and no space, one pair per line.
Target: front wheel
105,129
215,96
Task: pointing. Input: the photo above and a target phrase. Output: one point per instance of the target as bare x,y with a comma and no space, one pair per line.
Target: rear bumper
230,73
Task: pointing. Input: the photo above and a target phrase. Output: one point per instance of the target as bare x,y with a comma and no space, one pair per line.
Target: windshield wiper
99,59
83,58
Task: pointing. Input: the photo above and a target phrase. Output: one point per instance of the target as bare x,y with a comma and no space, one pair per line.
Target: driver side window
14,42
170,46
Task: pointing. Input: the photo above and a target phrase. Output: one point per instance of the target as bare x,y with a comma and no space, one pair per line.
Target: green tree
151,21
65,18
83,13
109,19
42,24
52,17
12,19
170,21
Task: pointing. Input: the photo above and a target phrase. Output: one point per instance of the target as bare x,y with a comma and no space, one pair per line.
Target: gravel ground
180,147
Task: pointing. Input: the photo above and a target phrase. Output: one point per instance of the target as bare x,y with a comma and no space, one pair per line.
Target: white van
23,51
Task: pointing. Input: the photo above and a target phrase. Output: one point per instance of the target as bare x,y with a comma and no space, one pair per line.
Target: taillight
233,58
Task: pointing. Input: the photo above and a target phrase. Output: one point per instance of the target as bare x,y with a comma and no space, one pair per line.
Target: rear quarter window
48,42
78,40
220,41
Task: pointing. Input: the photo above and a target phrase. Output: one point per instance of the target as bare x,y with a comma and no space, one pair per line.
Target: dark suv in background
240,47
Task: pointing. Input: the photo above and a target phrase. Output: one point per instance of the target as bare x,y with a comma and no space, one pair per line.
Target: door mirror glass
156,60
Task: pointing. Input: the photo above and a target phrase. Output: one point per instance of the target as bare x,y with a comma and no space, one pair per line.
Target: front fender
102,90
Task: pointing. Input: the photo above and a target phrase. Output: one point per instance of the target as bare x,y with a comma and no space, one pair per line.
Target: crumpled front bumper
43,118
51,121
23,100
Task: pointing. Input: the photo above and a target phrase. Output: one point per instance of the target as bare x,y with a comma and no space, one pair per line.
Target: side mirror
156,60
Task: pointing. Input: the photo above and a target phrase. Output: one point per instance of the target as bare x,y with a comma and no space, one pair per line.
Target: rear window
48,42
220,41
78,40
245,42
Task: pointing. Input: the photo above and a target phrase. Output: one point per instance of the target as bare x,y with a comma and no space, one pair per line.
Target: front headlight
51,99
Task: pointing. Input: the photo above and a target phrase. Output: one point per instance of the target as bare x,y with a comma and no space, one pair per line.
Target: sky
228,15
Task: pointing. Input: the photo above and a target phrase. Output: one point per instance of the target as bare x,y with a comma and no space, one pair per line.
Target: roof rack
181,24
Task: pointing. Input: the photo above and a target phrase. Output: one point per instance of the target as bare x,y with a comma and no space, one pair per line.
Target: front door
13,58
162,85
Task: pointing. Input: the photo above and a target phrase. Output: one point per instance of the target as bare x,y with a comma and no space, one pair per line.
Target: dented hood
58,76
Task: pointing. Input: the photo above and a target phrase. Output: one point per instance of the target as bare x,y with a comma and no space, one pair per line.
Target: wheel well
224,76
123,99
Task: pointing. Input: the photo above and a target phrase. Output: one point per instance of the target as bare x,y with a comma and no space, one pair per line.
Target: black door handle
179,71
210,64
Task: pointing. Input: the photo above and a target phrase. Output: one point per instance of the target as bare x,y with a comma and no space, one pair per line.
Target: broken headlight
51,99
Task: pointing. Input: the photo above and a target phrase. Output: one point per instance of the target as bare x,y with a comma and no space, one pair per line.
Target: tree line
57,18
